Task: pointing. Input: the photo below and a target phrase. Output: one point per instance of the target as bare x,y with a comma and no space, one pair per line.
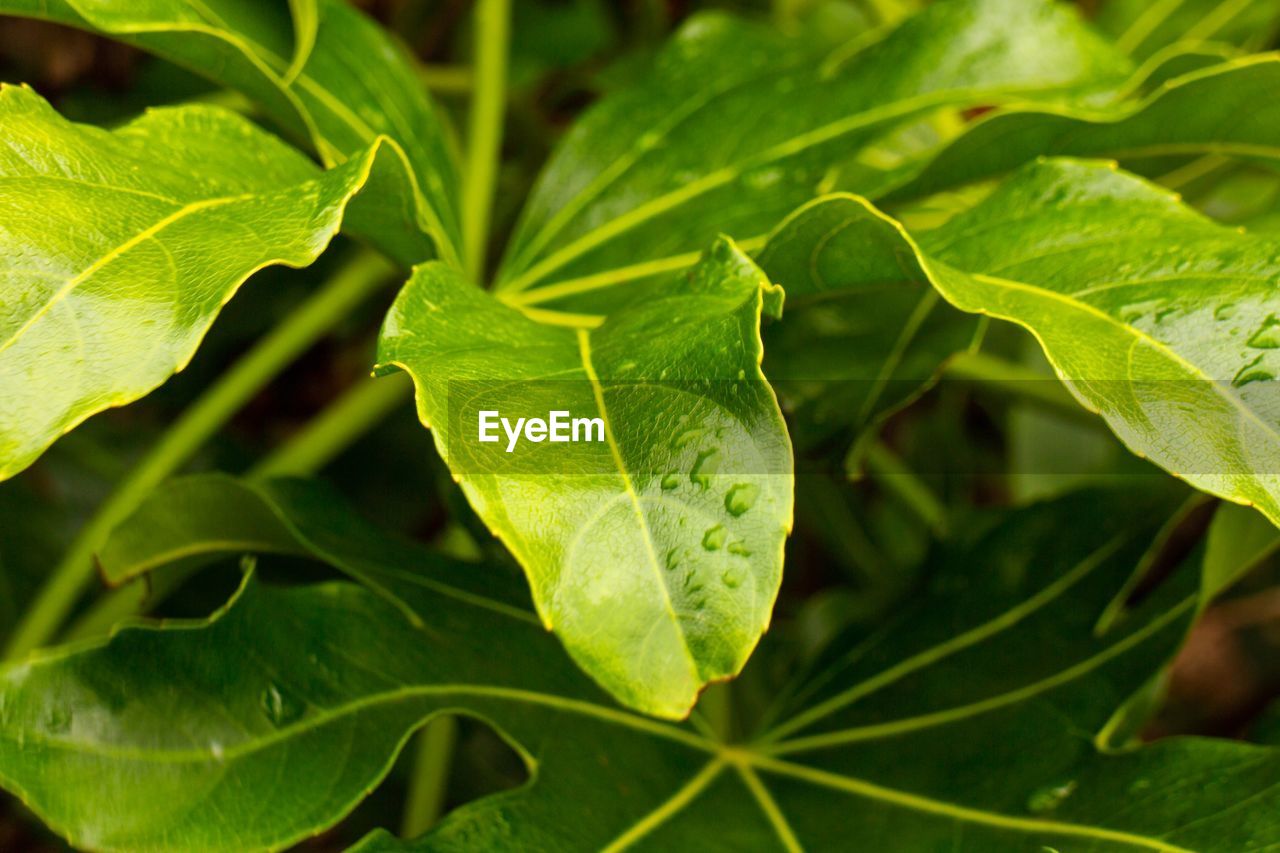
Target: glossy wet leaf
326,73
649,176
1158,318
1225,110
120,248
997,665
654,550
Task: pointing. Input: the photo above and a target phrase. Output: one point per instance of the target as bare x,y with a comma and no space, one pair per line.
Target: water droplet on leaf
732,578
741,498
704,467
738,549
1252,372
670,481
1268,334
713,539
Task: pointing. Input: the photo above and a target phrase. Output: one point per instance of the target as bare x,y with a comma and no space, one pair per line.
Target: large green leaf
342,83
652,174
995,685
1228,109
655,551
1154,316
119,249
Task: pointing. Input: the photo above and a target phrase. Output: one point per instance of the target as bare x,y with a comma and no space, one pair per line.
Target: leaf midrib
1140,336
117,252
597,391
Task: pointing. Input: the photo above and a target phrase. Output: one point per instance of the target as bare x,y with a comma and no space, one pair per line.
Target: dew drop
738,549
670,481
1048,798
1225,311
704,467
279,707
688,437
674,558
732,578
1252,372
741,498
1268,334
713,539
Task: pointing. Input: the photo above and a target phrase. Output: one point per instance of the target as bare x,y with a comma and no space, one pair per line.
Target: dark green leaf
652,174
995,684
866,332
1228,109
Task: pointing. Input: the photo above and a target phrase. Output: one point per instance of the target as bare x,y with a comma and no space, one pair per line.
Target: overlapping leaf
1163,321
119,249
1227,109
866,331
177,737
654,550
735,127
330,74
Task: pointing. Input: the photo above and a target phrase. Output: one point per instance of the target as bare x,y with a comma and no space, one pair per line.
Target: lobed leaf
121,247
656,551
995,681
327,73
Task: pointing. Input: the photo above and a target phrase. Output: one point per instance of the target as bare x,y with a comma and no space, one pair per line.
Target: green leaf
866,332
1153,315
204,516
177,737
1156,317
654,551
120,248
653,173
1142,27
329,74
1224,110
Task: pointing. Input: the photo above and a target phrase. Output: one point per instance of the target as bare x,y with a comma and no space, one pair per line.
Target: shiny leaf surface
120,248
654,550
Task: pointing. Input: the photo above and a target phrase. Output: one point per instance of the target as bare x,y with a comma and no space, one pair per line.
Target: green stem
484,138
1012,379
430,776
892,473
348,288
333,430
446,79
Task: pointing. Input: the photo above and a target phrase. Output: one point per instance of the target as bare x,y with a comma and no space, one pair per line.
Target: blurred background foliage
862,533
